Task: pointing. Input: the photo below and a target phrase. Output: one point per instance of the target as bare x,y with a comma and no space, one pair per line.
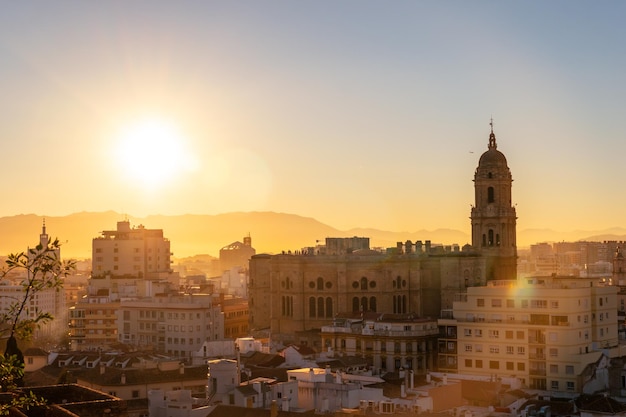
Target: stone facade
296,292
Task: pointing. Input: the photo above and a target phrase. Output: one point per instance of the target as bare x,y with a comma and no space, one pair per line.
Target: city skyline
358,114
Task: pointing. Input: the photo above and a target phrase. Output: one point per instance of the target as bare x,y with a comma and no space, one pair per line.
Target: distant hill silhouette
205,234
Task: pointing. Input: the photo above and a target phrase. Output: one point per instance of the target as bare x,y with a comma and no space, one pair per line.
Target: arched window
329,307
404,303
320,307
364,303
490,237
490,195
373,304
312,307
355,304
395,305
484,240
320,284
498,239
398,281
363,283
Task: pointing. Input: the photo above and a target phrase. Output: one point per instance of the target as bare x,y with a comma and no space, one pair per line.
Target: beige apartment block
542,330
174,324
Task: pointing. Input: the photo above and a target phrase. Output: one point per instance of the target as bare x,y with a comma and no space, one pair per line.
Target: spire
43,237
492,137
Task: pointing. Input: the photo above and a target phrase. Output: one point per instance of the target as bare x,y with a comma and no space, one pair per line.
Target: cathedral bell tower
493,216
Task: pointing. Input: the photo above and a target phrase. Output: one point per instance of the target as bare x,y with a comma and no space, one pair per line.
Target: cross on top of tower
492,137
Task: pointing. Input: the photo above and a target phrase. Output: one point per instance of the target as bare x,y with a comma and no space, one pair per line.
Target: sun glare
152,153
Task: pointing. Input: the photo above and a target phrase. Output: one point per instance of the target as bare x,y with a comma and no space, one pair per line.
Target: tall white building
541,330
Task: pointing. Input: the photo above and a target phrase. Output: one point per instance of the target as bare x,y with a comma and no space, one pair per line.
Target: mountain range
271,232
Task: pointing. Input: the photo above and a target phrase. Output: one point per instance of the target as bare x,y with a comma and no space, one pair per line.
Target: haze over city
359,114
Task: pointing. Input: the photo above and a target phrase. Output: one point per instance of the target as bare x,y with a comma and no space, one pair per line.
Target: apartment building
127,263
542,330
176,324
137,252
388,342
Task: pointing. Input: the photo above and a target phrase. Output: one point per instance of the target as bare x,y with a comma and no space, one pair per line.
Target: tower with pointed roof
493,215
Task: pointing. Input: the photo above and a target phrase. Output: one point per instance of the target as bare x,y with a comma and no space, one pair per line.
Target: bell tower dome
493,216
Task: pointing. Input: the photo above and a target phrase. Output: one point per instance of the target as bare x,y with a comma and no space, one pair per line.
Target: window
570,386
494,365
508,334
135,393
524,303
468,363
510,350
510,303
468,348
569,369
490,195
479,363
554,304
468,332
510,366
479,348
520,334
494,349
521,366
480,302
554,369
554,352
521,350
496,302
554,385
479,333
494,333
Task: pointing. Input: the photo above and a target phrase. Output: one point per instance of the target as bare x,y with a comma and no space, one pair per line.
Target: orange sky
354,113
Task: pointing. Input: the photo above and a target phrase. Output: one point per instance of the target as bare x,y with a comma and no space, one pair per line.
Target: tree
44,270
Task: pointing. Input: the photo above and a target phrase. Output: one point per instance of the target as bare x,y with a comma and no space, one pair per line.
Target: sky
356,113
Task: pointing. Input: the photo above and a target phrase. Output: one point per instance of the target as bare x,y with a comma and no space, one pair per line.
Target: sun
152,153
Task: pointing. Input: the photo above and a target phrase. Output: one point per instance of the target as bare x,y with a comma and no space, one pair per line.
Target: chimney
274,409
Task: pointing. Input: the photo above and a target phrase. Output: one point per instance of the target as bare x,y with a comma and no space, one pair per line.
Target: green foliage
24,401
44,270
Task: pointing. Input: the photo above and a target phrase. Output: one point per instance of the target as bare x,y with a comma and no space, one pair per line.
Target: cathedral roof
493,157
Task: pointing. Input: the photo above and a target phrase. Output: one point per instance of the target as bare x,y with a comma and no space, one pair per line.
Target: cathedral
295,293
